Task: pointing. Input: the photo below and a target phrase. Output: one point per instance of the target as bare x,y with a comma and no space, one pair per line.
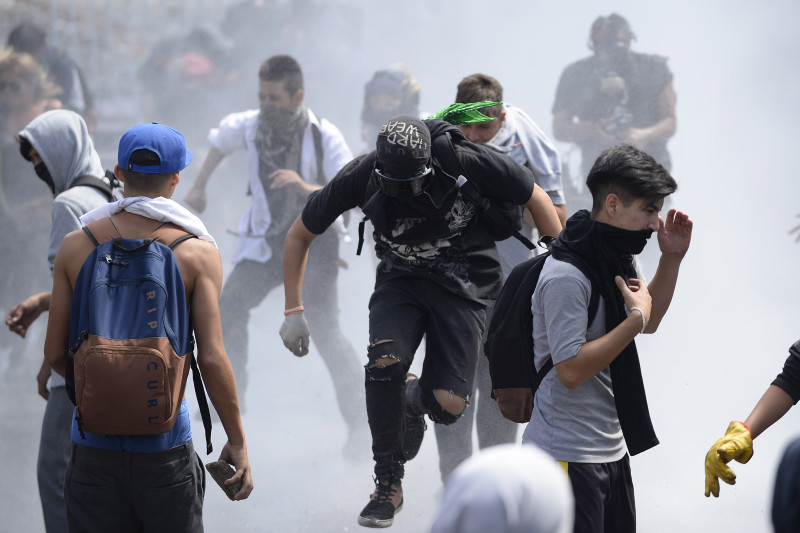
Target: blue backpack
130,341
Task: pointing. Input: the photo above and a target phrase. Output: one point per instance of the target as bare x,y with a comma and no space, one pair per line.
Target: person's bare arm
597,354
295,256
674,238
26,312
567,130
544,213
289,178
201,261
196,196
661,130
71,254
775,403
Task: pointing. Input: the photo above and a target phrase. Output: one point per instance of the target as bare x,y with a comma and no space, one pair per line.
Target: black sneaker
384,503
415,430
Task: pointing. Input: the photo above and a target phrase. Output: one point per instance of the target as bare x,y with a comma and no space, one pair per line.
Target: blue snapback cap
167,143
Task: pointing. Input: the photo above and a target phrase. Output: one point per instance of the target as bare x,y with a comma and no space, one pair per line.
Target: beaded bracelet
644,320
298,309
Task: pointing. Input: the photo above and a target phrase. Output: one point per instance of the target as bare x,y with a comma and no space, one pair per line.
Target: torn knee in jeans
450,401
382,362
433,406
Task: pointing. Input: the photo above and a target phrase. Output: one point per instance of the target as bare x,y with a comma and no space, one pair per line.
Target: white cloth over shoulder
161,209
523,141
507,489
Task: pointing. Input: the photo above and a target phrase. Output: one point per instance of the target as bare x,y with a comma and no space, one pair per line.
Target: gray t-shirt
579,425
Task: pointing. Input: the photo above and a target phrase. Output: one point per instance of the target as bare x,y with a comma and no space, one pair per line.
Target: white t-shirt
238,131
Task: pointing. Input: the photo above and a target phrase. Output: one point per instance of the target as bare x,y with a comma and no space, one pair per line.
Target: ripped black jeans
401,312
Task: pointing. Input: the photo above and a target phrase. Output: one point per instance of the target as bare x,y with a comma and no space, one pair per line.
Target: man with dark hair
64,71
615,96
112,478
291,153
592,412
515,134
438,270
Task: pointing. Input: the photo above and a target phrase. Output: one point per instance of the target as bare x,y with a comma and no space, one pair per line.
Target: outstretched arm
196,196
294,331
26,312
775,403
295,256
737,443
544,213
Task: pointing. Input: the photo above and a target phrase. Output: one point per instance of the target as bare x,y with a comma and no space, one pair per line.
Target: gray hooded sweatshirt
62,141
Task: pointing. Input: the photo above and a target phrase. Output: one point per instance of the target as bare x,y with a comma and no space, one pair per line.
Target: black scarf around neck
279,139
601,252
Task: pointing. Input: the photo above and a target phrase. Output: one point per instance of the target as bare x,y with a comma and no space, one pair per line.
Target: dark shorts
604,499
129,492
406,309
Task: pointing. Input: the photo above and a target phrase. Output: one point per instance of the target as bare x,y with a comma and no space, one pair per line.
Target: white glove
295,333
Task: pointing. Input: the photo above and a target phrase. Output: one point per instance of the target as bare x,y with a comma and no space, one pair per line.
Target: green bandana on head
458,114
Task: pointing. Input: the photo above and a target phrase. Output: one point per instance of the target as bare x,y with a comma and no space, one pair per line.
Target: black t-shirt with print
437,235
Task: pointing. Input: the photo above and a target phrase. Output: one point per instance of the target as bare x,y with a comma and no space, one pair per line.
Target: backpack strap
361,235
318,152
202,401
106,184
101,231
89,233
174,235
470,189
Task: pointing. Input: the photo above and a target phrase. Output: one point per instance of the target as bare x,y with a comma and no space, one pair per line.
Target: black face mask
623,241
44,175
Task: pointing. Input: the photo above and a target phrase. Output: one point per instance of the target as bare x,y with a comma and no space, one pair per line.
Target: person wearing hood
507,489
591,413
390,92
438,270
515,134
58,145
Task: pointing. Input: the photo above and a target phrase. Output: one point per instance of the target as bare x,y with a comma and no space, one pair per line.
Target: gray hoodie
62,140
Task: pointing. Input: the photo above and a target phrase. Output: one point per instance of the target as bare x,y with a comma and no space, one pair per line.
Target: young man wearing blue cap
438,270
122,470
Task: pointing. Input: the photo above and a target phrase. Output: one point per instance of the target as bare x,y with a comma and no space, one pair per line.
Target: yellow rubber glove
736,444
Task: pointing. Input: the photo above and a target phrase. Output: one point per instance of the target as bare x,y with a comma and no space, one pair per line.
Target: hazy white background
735,311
